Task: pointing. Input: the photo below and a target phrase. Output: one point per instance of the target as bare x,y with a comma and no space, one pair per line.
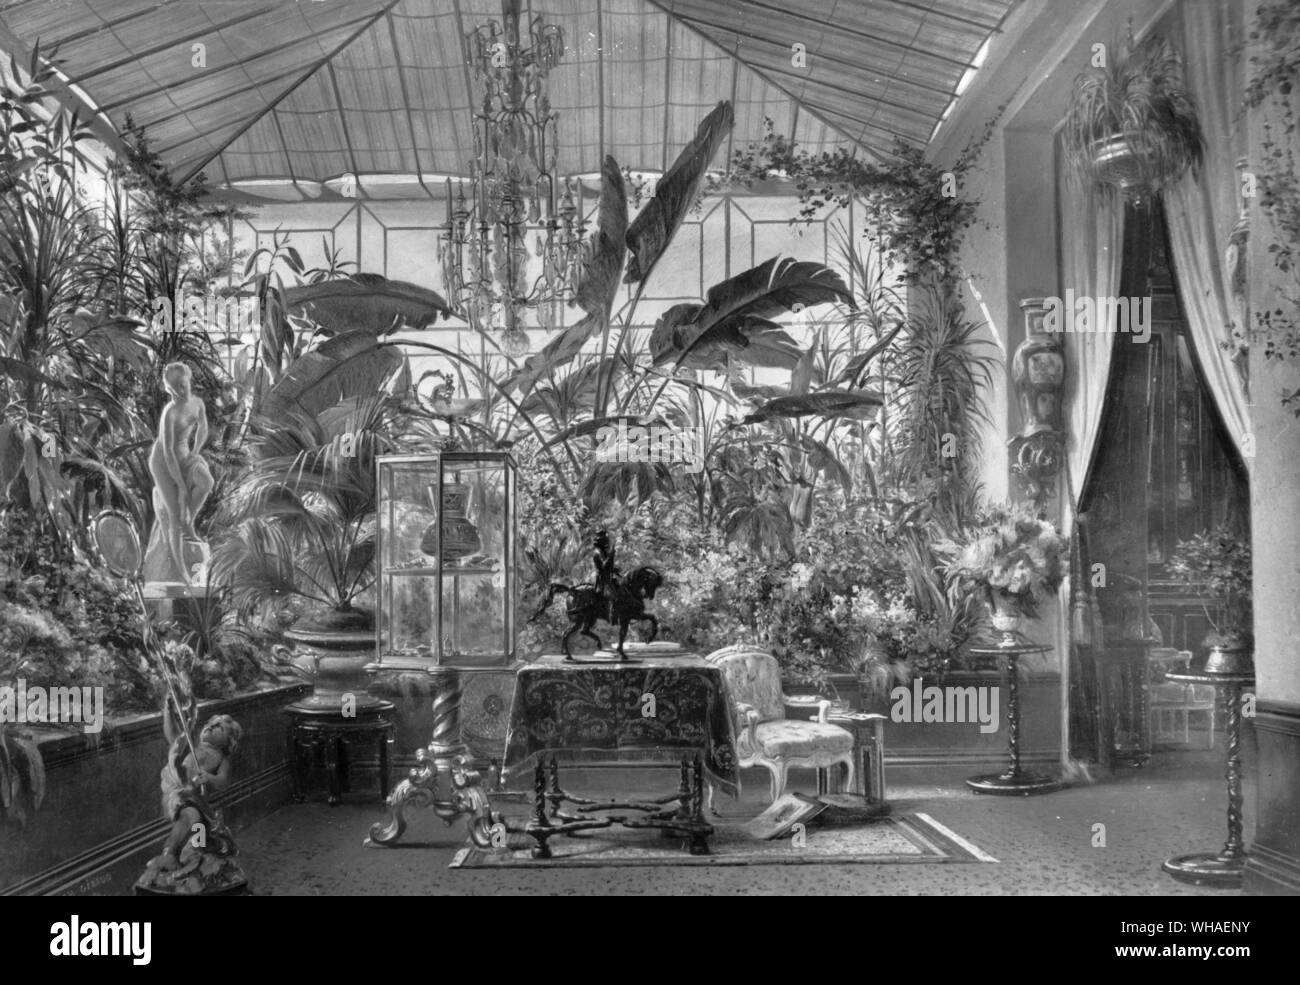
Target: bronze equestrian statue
612,598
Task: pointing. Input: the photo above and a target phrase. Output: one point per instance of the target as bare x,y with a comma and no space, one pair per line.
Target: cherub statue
199,856
182,480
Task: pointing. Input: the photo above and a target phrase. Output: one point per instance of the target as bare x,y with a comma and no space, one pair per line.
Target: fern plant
1139,97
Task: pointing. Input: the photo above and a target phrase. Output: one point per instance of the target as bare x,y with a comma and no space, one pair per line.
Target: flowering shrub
842,603
65,622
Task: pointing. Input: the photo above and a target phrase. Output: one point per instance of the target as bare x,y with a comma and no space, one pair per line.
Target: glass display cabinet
447,569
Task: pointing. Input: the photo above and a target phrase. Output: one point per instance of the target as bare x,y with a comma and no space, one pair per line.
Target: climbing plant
1275,85
916,208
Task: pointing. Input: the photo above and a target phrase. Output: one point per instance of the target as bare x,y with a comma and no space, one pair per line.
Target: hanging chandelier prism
511,248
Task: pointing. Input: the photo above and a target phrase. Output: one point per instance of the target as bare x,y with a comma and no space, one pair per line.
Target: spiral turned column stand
442,778
1013,780
1222,869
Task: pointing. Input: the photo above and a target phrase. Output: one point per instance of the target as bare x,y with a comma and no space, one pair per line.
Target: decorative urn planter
1115,163
1006,615
1231,657
460,538
332,651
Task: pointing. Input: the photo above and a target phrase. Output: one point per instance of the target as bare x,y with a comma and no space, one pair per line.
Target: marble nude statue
182,482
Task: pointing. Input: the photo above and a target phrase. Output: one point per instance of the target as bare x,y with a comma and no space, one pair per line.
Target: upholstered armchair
764,736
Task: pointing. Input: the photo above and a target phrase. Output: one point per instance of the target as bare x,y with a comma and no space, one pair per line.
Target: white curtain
1092,241
1092,247
1202,209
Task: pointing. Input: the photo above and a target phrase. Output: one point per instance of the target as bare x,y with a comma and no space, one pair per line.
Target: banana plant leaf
597,424
366,302
855,404
560,350
349,365
653,229
604,252
742,307
852,373
757,392
576,392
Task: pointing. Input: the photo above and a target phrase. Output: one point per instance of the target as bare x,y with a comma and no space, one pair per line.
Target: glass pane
475,619
445,592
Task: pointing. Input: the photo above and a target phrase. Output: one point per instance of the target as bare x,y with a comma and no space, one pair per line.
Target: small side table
312,728
868,754
1012,781
1224,868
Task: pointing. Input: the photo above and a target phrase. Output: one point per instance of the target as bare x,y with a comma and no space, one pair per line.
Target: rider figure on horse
607,573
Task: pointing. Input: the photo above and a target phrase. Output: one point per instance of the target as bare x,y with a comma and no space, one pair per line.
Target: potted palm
303,537
1132,124
1014,560
1218,563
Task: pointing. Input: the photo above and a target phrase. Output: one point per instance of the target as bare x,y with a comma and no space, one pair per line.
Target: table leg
1014,780
538,826
555,795
385,744
345,765
701,828
332,769
295,765
1225,868
684,793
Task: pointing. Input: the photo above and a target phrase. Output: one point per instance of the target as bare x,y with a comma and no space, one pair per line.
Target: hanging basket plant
1132,125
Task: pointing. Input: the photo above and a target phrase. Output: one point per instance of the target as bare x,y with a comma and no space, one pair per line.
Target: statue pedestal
161,569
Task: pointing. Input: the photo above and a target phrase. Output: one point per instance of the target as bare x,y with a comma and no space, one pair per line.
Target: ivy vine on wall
1275,84
915,208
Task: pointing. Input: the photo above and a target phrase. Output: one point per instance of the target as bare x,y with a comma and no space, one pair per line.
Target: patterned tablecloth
655,711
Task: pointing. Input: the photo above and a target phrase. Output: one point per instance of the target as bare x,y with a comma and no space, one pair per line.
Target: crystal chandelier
510,249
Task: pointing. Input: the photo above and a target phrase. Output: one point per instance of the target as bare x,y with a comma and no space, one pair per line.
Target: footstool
334,734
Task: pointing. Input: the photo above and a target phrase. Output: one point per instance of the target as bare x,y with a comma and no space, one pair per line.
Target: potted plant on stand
1218,563
1014,561
303,540
1132,123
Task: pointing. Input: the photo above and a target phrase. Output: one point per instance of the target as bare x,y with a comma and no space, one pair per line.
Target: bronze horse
623,604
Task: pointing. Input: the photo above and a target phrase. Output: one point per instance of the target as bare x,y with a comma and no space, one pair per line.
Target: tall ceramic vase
460,538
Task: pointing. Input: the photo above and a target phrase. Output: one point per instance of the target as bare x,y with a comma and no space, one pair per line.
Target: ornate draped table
656,710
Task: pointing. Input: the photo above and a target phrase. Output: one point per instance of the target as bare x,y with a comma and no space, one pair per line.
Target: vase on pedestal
332,649
1231,656
1006,613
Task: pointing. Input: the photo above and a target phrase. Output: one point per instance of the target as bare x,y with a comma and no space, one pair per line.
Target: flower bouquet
1015,560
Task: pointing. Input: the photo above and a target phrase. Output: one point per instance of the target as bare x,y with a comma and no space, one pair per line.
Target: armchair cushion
793,739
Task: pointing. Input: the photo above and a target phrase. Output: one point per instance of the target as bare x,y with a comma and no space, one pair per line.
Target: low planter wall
940,743
102,815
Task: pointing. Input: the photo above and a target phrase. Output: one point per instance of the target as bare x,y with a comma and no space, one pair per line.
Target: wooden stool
328,730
